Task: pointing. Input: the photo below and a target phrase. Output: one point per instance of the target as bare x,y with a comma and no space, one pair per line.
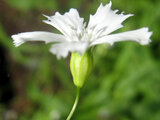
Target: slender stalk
75,104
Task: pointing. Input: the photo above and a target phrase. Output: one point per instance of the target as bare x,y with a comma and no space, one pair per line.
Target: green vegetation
124,84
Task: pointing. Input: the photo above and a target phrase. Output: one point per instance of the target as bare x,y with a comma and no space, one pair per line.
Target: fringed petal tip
145,36
17,41
109,4
106,20
45,16
48,19
59,55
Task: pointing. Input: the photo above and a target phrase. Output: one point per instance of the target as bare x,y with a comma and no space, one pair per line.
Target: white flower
77,37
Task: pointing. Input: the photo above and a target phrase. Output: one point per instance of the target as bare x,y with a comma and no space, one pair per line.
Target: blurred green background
125,83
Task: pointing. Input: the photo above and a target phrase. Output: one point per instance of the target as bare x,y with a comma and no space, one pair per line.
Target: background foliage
124,85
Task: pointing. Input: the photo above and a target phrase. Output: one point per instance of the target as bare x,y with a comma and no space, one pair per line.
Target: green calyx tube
81,66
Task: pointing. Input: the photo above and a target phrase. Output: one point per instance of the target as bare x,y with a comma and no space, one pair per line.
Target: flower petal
62,49
106,20
141,35
47,37
68,24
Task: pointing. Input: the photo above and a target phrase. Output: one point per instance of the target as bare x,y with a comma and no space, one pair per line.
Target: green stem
75,104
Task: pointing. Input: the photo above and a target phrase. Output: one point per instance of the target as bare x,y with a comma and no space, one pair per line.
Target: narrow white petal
106,20
68,24
47,37
62,49
141,36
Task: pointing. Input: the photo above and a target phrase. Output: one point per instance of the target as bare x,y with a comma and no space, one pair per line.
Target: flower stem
75,104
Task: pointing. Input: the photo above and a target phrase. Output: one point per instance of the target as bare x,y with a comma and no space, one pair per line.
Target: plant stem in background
75,104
